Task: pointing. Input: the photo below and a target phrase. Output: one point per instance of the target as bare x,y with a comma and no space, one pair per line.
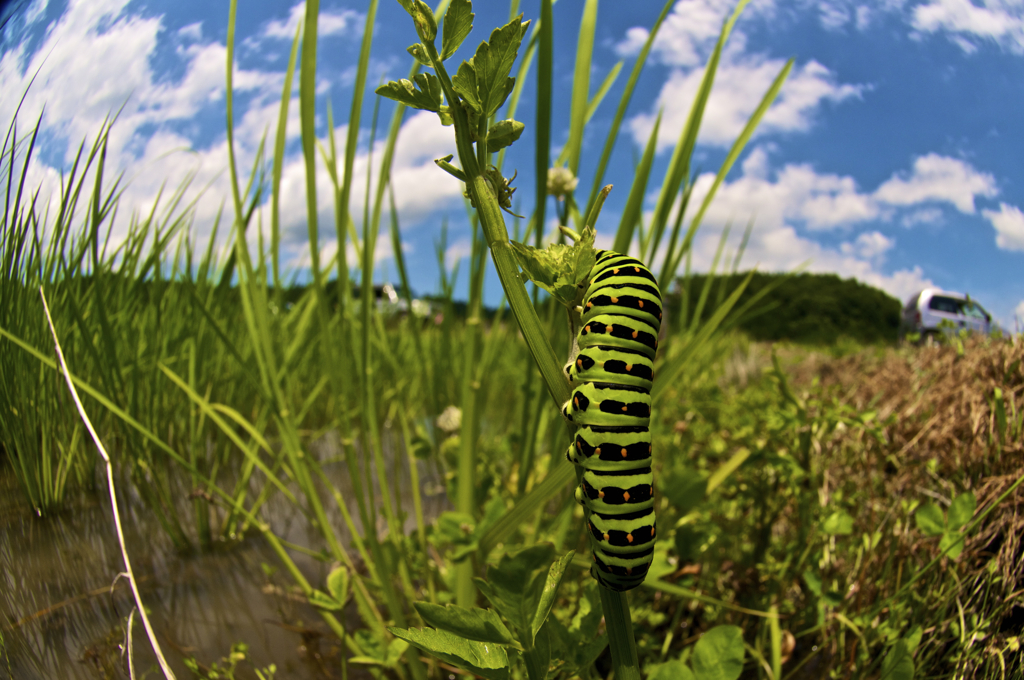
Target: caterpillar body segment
612,376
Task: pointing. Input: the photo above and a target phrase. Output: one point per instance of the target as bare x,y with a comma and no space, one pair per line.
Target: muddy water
63,611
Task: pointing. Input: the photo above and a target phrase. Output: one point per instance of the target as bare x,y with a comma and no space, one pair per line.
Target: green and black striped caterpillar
611,404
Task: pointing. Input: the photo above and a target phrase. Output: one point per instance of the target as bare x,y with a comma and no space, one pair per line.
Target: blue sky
893,154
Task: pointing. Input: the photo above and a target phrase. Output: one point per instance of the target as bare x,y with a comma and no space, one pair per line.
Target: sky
893,153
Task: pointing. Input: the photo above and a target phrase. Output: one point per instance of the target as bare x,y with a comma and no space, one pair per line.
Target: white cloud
922,216
739,87
939,178
686,40
870,245
1009,225
965,22
1019,313
329,22
153,141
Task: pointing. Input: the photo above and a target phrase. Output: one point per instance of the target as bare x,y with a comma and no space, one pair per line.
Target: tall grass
206,384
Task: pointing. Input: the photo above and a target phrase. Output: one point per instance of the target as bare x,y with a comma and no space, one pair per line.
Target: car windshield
974,310
948,305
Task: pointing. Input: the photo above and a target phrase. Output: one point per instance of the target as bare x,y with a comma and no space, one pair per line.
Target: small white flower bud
561,181
450,419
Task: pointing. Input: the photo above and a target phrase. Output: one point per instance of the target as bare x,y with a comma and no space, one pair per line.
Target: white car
925,313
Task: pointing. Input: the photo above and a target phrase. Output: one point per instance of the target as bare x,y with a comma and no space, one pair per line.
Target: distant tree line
804,308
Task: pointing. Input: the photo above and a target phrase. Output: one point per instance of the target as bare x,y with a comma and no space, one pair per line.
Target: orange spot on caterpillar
629,570
615,300
629,537
649,448
640,303
624,452
579,364
653,529
600,494
624,408
589,305
615,271
629,367
607,537
636,269
625,496
652,490
597,451
635,333
608,329
579,446
576,401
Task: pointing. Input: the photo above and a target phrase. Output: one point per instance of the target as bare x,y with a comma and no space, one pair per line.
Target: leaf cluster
521,589
560,269
481,84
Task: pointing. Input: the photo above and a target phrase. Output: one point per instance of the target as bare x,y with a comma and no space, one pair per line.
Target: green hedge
804,308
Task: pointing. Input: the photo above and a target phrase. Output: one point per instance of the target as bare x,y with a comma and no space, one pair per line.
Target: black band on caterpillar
611,404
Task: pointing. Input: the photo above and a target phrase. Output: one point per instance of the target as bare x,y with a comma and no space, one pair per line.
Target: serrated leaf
503,133
419,53
464,84
482,625
961,510
838,523
485,659
337,583
536,264
929,520
898,664
718,655
458,22
423,92
547,596
493,62
671,670
322,600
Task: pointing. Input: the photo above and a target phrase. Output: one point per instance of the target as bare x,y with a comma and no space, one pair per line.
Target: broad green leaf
813,582
423,92
547,596
493,62
929,520
538,658
322,600
898,664
718,655
482,625
953,540
514,586
588,617
464,83
961,510
660,564
337,583
913,638
684,489
671,670
503,133
419,53
485,659
838,523
458,22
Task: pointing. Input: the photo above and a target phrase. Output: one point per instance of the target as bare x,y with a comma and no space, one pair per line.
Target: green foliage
559,269
932,522
807,308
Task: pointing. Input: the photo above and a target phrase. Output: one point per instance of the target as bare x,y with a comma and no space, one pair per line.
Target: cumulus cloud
1018,313
1008,222
967,23
939,178
684,43
330,22
159,146
790,204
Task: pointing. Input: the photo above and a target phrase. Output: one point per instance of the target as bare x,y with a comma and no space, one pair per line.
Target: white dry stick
168,673
128,645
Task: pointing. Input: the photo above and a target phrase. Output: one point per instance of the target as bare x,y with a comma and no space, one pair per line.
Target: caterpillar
611,376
